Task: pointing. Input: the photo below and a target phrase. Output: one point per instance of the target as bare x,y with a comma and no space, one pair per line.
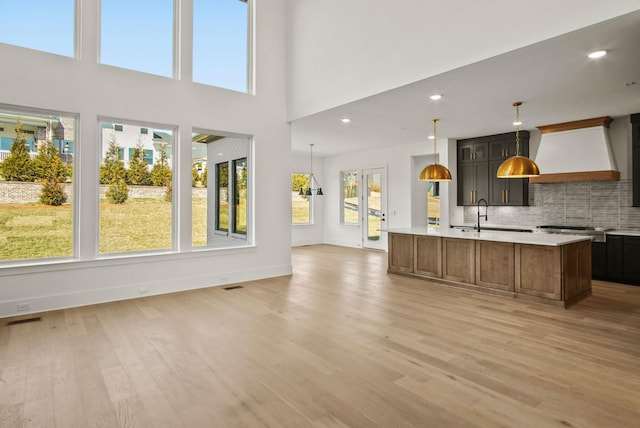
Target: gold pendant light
435,171
518,166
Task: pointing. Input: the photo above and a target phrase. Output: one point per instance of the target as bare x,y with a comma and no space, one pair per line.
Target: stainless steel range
597,234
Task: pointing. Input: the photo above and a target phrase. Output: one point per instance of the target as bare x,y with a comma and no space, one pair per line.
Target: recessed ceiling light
435,97
517,123
345,120
597,54
431,137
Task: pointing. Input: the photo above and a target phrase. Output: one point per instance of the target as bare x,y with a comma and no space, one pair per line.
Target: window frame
309,202
218,167
175,171
250,44
75,201
358,176
236,196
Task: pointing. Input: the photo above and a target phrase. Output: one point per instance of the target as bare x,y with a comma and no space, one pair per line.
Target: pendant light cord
434,140
517,106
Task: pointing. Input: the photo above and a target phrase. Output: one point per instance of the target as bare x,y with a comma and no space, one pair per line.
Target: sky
139,37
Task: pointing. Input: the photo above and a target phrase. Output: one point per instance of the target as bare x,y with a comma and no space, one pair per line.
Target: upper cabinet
478,163
635,160
473,164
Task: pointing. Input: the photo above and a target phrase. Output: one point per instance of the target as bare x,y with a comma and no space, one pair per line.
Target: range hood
576,151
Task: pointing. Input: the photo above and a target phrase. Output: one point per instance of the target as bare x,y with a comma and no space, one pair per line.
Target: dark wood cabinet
614,257
635,161
599,260
472,151
631,258
507,191
478,162
473,178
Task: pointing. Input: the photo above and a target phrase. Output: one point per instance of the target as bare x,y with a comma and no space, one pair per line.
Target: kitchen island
545,268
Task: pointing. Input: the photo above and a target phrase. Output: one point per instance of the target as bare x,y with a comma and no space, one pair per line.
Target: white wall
309,234
342,51
405,193
92,90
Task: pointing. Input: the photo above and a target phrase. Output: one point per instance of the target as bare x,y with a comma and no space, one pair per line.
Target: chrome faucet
486,208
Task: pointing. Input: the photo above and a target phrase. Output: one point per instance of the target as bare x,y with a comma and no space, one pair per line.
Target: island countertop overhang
527,238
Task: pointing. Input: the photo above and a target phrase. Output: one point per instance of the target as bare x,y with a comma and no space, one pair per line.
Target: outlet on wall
24,307
143,290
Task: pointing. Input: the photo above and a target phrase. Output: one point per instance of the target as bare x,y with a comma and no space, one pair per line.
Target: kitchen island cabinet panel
576,269
538,271
543,268
495,265
400,252
458,260
428,260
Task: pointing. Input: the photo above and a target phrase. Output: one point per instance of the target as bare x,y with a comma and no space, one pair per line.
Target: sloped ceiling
379,67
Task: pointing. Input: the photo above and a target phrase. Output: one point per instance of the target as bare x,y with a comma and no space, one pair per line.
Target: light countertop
548,239
626,232
489,226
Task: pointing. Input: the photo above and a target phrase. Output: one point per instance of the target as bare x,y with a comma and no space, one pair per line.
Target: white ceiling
554,79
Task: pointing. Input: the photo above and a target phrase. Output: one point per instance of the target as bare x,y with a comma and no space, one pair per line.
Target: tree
195,174
138,174
203,179
52,172
112,172
161,173
18,166
299,181
112,168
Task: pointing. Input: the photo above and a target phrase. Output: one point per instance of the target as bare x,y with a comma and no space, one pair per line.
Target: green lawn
35,231
40,231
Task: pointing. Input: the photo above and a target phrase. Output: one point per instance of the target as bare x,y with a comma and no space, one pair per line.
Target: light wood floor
340,343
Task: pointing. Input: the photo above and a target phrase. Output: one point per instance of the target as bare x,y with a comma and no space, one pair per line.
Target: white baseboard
131,291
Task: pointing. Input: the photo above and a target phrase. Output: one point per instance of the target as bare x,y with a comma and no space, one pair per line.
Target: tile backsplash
604,204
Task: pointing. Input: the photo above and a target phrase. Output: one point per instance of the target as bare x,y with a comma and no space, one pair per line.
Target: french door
374,213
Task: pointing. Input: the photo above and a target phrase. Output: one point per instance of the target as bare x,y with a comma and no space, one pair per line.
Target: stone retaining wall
20,192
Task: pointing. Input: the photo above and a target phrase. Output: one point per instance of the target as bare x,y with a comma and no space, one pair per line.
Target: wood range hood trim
574,176
562,177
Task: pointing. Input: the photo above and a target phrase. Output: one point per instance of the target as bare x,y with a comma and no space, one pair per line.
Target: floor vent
233,287
24,321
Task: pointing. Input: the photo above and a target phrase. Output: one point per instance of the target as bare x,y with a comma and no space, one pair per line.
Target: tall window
350,202
220,209
137,35
433,203
140,220
300,204
36,192
39,24
220,43
240,196
222,205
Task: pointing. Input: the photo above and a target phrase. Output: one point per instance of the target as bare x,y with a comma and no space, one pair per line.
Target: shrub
52,193
112,169
168,194
161,173
18,166
138,175
118,192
